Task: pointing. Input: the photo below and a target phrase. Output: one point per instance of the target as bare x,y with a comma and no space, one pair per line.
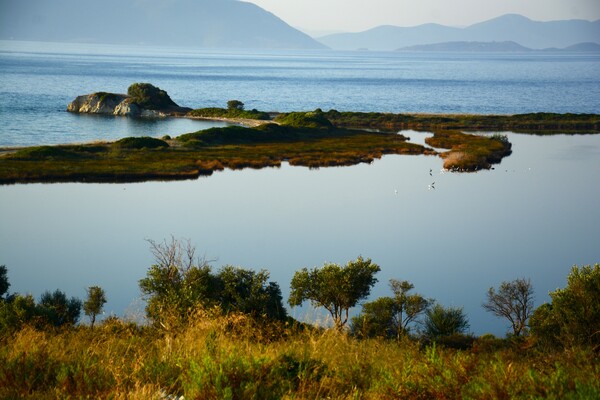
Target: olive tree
391,316
96,298
334,287
513,301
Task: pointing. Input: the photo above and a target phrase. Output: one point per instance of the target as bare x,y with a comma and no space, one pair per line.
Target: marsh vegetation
214,336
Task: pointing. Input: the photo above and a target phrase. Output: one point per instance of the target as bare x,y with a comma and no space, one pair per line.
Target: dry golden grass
236,357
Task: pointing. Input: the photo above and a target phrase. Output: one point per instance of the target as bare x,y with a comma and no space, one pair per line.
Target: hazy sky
358,15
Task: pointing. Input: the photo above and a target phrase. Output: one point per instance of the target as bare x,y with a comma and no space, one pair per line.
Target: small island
312,139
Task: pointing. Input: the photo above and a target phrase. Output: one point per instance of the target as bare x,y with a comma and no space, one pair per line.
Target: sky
359,15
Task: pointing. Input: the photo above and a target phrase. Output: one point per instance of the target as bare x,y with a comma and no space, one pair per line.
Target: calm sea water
38,80
534,215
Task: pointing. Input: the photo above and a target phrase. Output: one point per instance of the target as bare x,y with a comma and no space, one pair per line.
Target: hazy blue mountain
510,27
201,23
496,47
587,47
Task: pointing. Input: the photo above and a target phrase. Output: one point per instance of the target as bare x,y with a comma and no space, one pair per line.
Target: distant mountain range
198,23
498,47
507,28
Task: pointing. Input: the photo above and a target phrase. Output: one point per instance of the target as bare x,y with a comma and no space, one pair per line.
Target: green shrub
151,97
314,120
140,143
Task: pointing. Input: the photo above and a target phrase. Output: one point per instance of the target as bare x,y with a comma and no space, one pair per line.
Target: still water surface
534,215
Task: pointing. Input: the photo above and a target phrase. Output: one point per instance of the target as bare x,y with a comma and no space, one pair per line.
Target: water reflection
527,218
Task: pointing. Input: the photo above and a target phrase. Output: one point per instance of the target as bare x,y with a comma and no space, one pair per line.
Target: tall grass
235,357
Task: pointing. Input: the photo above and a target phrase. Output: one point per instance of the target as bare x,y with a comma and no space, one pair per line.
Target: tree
513,301
176,286
4,284
334,287
391,316
249,292
177,283
442,322
94,303
573,316
57,310
235,105
16,311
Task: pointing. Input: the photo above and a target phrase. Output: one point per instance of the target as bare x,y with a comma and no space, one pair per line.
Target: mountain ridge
498,47
188,23
509,27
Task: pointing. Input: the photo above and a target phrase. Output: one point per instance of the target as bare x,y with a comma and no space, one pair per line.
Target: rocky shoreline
142,100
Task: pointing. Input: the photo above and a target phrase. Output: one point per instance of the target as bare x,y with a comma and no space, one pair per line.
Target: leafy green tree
4,284
443,321
513,301
235,105
177,285
57,310
96,298
249,292
391,316
334,287
16,311
573,316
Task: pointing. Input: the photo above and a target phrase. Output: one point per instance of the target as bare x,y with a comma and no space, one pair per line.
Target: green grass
220,357
200,153
215,112
312,139
538,123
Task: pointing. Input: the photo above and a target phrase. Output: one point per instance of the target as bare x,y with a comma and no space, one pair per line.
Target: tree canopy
513,301
573,316
391,316
4,284
443,321
94,303
179,284
334,287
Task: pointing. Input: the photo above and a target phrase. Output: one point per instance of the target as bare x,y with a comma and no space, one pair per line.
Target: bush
151,97
313,120
235,105
140,143
573,316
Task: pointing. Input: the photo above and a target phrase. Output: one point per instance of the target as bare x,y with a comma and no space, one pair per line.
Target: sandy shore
250,123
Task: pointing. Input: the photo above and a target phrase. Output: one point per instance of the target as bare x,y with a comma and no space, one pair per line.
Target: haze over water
534,215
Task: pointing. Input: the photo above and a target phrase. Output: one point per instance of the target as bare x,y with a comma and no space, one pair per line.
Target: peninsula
312,139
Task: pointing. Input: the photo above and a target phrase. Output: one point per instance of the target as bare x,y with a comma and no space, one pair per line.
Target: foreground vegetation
234,357
225,335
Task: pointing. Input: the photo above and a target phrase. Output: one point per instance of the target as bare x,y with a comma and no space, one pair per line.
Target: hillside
507,28
497,47
197,23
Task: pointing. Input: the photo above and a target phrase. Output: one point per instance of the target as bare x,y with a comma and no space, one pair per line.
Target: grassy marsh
313,139
235,357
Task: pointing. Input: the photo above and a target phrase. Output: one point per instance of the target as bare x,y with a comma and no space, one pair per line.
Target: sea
533,216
